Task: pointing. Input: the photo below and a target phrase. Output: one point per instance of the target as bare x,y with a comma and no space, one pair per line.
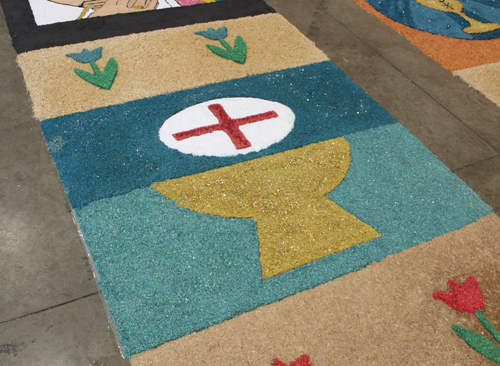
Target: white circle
260,134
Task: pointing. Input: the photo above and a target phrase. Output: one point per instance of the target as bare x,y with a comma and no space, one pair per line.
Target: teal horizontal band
114,150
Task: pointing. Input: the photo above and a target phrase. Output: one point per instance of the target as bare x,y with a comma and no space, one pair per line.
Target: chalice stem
316,228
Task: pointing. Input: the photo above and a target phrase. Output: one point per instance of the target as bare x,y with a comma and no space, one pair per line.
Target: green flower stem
478,343
95,68
487,324
104,79
225,44
236,54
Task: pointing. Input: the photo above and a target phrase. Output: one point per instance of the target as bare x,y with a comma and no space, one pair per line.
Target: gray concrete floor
50,309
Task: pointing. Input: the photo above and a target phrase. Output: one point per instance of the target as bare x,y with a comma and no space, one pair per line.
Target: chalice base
481,28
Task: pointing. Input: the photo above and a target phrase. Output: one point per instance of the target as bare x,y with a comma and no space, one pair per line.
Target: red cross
230,126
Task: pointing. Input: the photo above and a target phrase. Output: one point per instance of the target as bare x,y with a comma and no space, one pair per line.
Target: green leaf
240,49
109,73
479,343
87,76
238,54
488,325
104,80
219,51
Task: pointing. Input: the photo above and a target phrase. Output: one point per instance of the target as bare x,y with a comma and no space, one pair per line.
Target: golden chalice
285,195
455,6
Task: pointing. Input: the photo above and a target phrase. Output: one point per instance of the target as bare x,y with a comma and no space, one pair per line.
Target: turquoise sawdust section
166,271
113,150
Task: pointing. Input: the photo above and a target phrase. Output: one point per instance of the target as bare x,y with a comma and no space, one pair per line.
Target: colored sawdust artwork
468,298
205,193
462,35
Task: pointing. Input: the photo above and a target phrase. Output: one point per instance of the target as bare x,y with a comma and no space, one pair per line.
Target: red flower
301,361
466,298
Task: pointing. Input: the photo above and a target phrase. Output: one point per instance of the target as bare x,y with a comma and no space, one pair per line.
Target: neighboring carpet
440,30
485,78
220,167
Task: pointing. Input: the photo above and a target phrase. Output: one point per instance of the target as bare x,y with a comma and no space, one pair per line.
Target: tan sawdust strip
161,62
485,78
382,315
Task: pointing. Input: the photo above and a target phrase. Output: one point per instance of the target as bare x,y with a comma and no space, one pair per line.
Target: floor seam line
477,162
49,308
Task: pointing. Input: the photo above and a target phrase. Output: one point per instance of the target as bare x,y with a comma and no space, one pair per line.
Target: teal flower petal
86,56
213,34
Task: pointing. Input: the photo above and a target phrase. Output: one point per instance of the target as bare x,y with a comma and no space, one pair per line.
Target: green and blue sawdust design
166,271
450,18
238,53
102,80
